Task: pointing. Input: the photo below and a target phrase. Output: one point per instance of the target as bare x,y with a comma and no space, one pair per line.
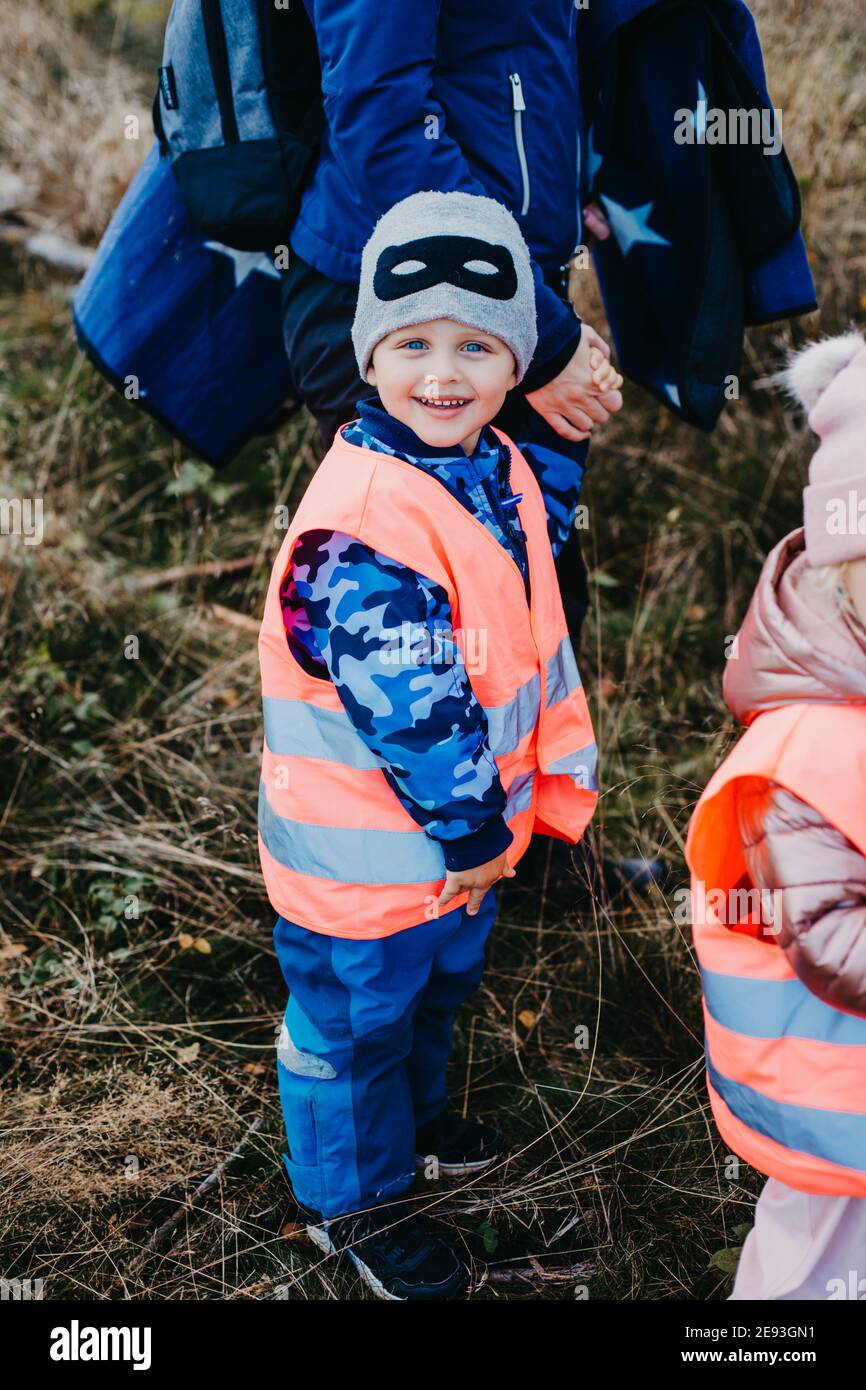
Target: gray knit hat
446,256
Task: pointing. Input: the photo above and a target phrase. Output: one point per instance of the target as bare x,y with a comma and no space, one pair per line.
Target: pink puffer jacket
795,646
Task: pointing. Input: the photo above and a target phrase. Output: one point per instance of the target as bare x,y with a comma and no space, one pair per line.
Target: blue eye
414,342
479,346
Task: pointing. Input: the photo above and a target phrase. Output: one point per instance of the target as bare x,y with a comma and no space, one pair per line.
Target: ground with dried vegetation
140,1126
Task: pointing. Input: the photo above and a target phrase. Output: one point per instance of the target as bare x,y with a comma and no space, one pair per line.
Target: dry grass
65,110
139,988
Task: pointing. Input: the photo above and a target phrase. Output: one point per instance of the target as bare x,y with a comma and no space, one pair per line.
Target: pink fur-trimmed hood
795,644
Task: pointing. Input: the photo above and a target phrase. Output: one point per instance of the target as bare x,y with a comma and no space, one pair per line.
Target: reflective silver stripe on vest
349,855
508,724
562,673
581,766
519,794
296,729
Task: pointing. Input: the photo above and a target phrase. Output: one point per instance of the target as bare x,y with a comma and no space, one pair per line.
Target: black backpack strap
292,71
156,118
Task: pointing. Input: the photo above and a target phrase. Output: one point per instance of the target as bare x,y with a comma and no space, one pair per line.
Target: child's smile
447,406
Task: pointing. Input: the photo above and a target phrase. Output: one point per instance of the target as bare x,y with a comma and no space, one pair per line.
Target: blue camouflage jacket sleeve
384,633
379,89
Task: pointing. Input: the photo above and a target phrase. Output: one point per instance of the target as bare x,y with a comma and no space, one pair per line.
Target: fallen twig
159,1235
536,1275
175,574
48,246
241,621
15,193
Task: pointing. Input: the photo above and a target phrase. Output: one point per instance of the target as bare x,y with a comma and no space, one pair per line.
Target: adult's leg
556,463
455,975
317,330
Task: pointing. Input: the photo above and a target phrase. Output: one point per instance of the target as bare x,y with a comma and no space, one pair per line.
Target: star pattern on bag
245,262
629,225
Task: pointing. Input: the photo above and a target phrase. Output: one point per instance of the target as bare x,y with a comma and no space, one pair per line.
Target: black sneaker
393,1254
640,875
578,873
459,1146
606,879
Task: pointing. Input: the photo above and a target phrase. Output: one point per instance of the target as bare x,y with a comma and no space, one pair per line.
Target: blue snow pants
362,1055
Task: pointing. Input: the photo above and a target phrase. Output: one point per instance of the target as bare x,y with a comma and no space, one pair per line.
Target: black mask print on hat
446,260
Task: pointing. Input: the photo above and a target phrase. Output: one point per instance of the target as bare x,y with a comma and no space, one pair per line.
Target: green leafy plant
196,477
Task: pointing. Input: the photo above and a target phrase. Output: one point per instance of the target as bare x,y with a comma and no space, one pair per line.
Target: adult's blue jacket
425,94
704,240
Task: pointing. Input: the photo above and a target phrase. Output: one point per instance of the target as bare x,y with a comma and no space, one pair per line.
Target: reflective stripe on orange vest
786,1073
340,854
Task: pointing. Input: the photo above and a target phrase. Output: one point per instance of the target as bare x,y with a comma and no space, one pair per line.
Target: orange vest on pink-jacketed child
786,1072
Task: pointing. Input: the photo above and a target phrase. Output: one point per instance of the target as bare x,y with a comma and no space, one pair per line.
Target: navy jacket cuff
540,373
468,851
558,334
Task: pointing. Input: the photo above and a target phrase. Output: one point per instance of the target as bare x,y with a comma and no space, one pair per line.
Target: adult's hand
586,392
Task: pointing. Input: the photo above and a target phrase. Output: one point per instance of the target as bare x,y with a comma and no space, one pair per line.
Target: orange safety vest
786,1072
339,852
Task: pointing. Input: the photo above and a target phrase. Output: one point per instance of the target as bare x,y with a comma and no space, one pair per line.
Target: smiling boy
396,793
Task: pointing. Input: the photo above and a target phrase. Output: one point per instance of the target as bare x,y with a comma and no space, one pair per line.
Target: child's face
416,369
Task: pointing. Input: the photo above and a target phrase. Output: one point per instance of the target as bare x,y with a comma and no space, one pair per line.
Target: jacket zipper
527,589
518,106
218,57
514,533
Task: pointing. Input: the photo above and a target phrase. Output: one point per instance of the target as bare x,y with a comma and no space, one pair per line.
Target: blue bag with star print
684,155
184,326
